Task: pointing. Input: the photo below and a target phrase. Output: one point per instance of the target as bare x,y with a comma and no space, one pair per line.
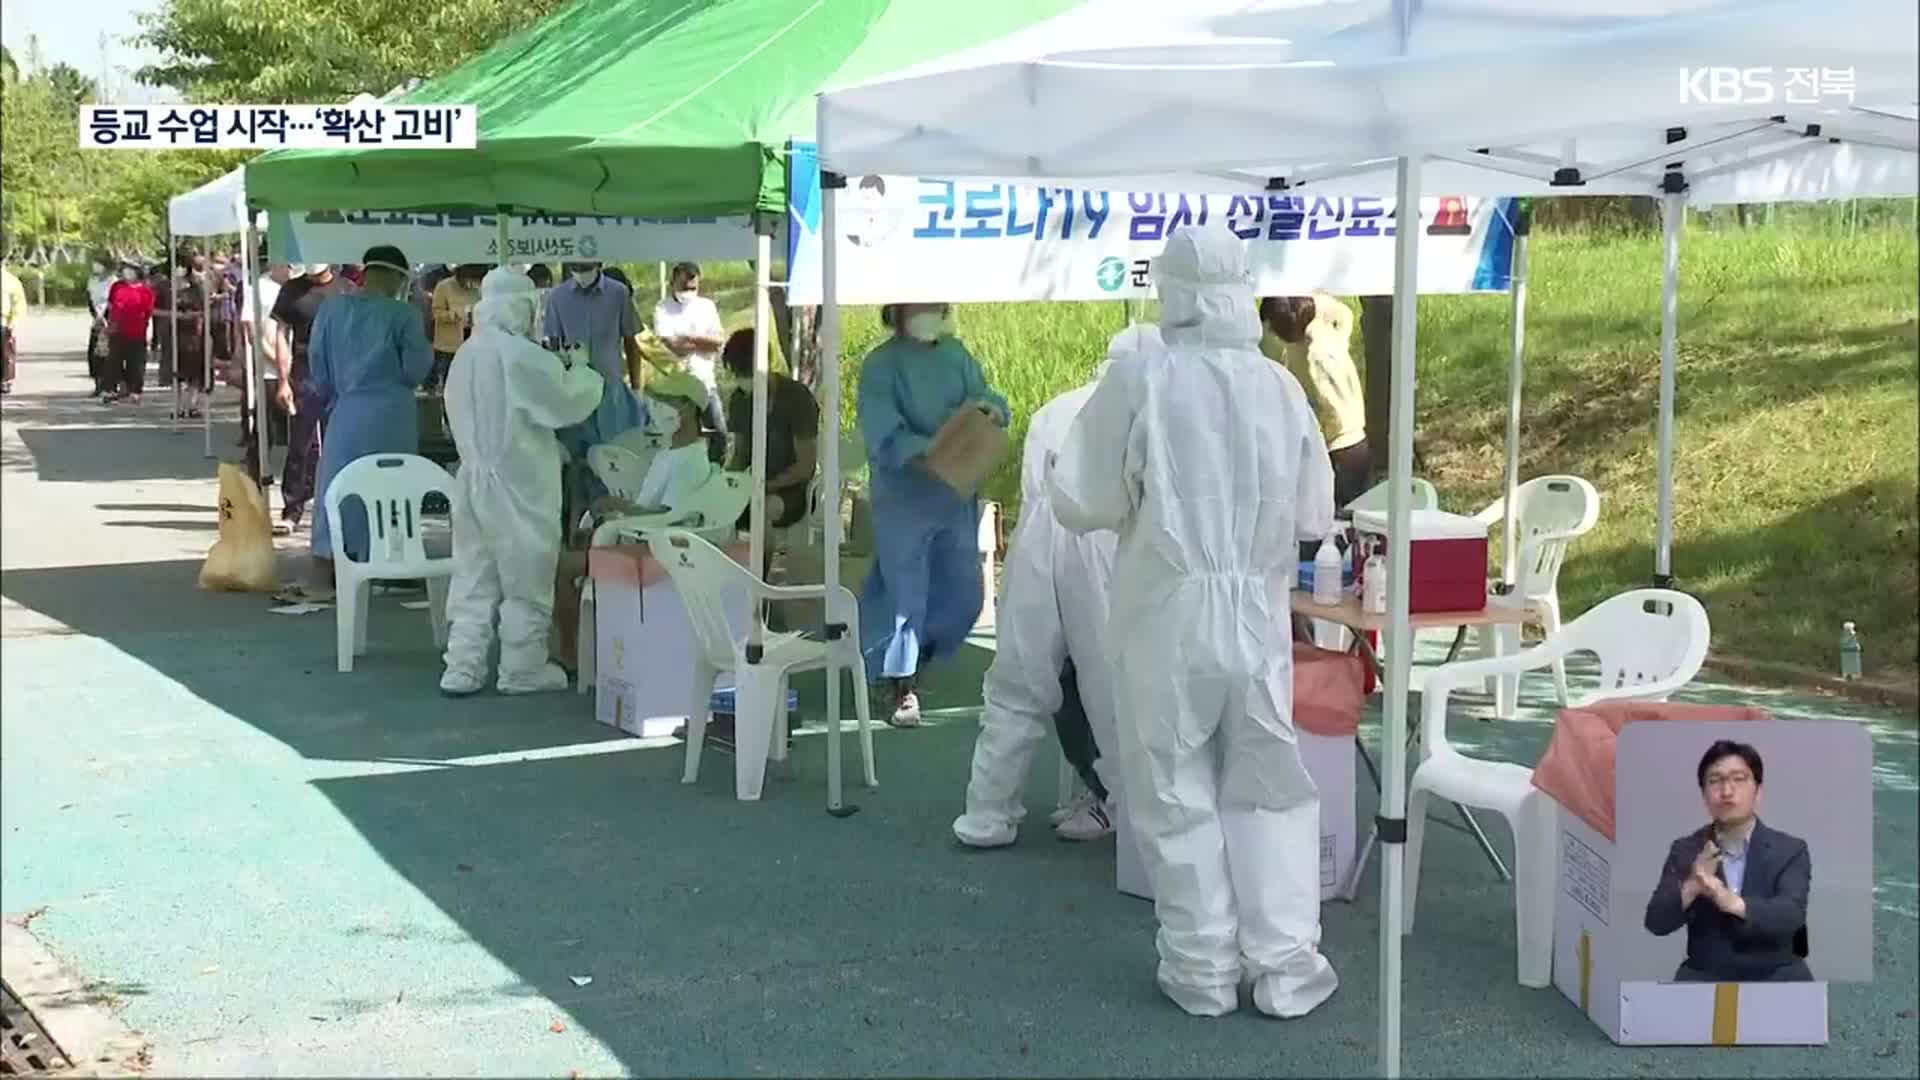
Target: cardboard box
643,641
966,450
1818,787
1447,562
1330,761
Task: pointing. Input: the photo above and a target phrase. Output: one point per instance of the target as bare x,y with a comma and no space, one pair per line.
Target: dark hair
1727,748
618,275
737,354
540,274
682,270
1288,315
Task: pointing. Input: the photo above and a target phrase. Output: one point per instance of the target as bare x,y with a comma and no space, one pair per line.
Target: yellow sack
242,559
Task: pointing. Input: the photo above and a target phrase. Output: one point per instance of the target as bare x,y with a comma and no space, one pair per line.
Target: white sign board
336,236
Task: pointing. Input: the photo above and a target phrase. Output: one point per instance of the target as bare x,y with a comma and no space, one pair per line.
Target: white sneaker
984,831
1091,823
907,712
547,680
457,683
1081,800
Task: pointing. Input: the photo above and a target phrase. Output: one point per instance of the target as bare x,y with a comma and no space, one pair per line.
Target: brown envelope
966,450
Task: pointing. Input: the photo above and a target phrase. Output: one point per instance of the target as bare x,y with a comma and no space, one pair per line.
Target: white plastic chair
392,487
1425,497
1650,642
1550,512
621,468
704,576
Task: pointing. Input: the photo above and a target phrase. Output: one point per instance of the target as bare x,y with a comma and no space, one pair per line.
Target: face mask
129,275
686,294
925,325
98,270
585,278
664,416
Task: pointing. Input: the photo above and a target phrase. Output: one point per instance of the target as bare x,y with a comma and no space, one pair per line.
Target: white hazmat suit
1055,608
505,398
1206,458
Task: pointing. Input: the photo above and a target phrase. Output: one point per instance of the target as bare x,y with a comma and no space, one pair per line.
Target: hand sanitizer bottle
1327,569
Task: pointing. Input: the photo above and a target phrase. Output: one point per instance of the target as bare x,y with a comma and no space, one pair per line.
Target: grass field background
1797,415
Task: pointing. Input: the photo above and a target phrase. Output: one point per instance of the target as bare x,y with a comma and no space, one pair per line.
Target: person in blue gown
924,592
367,356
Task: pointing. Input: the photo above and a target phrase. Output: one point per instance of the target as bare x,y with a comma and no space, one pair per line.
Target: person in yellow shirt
1312,337
453,300
13,309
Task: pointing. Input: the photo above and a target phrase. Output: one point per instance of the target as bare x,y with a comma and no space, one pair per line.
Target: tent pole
762,324
1510,546
173,324
1393,734
1672,220
662,267
206,358
830,464
504,237
251,276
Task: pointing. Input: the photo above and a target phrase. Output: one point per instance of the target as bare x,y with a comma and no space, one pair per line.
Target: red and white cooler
1447,563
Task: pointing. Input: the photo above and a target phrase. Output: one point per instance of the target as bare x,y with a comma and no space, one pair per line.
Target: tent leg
505,235
1393,735
206,360
762,325
830,464
173,325
251,276
1515,371
1673,219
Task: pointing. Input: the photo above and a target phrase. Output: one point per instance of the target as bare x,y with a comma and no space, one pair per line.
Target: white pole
1674,211
757,513
251,277
663,279
1521,227
1393,735
173,324
206,358
830,457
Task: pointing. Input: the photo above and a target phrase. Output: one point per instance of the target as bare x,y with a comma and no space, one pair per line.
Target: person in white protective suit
505,398
1206,458
1054,611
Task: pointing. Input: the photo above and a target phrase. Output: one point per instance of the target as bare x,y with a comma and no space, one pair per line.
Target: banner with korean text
335,236
908,240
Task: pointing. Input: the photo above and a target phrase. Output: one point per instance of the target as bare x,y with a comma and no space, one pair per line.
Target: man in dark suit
1739,887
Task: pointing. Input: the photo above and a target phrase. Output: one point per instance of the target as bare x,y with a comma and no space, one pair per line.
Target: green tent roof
657,108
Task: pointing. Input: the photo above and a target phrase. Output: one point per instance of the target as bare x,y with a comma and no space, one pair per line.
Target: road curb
90,1036
1766,673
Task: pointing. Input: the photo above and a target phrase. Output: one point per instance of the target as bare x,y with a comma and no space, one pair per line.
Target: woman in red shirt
129,320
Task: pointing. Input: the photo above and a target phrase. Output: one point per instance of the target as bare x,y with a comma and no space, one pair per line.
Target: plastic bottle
1375,600
1327,569
1849,652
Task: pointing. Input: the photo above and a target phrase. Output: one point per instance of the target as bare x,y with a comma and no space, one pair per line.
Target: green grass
1795,463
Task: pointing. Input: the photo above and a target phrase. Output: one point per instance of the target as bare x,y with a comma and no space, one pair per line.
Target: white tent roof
1494,88
215,208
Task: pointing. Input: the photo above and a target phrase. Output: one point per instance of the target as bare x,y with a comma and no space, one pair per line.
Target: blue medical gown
366,357
924,592
619,413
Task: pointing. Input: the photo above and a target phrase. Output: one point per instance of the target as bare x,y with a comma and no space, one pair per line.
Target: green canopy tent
656,108
660,109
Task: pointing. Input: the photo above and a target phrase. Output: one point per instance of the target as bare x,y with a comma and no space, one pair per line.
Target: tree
9,71
243,51
70,88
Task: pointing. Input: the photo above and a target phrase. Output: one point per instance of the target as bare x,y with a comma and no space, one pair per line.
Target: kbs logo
1763,85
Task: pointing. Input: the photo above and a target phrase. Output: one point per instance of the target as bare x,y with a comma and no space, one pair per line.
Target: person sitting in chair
1738,886
677,403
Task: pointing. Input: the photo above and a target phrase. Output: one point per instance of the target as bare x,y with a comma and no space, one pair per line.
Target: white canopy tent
219,208
1222,95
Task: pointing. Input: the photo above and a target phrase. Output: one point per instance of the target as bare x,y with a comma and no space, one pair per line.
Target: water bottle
1849,652
1375,600
1327,569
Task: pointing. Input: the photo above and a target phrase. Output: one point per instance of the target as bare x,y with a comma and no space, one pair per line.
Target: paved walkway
270,868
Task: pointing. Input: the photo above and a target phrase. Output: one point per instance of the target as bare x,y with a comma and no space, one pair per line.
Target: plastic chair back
704,576
716,504
1549,513
393,487
620,468
1425,497
1641,637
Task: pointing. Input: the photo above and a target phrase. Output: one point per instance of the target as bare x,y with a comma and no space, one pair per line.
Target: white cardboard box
1329,761
643,643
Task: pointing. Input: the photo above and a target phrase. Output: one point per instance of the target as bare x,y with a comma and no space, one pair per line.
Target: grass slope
1796,416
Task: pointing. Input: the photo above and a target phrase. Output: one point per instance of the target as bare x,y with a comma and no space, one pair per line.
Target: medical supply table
1360,623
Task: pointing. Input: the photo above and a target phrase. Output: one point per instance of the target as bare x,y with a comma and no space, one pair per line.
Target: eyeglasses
1728,780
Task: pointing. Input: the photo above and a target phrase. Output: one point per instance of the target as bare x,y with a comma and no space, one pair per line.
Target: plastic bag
242,559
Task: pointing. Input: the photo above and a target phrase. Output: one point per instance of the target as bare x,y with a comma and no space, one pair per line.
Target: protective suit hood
507,300
1135,338
1206,292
